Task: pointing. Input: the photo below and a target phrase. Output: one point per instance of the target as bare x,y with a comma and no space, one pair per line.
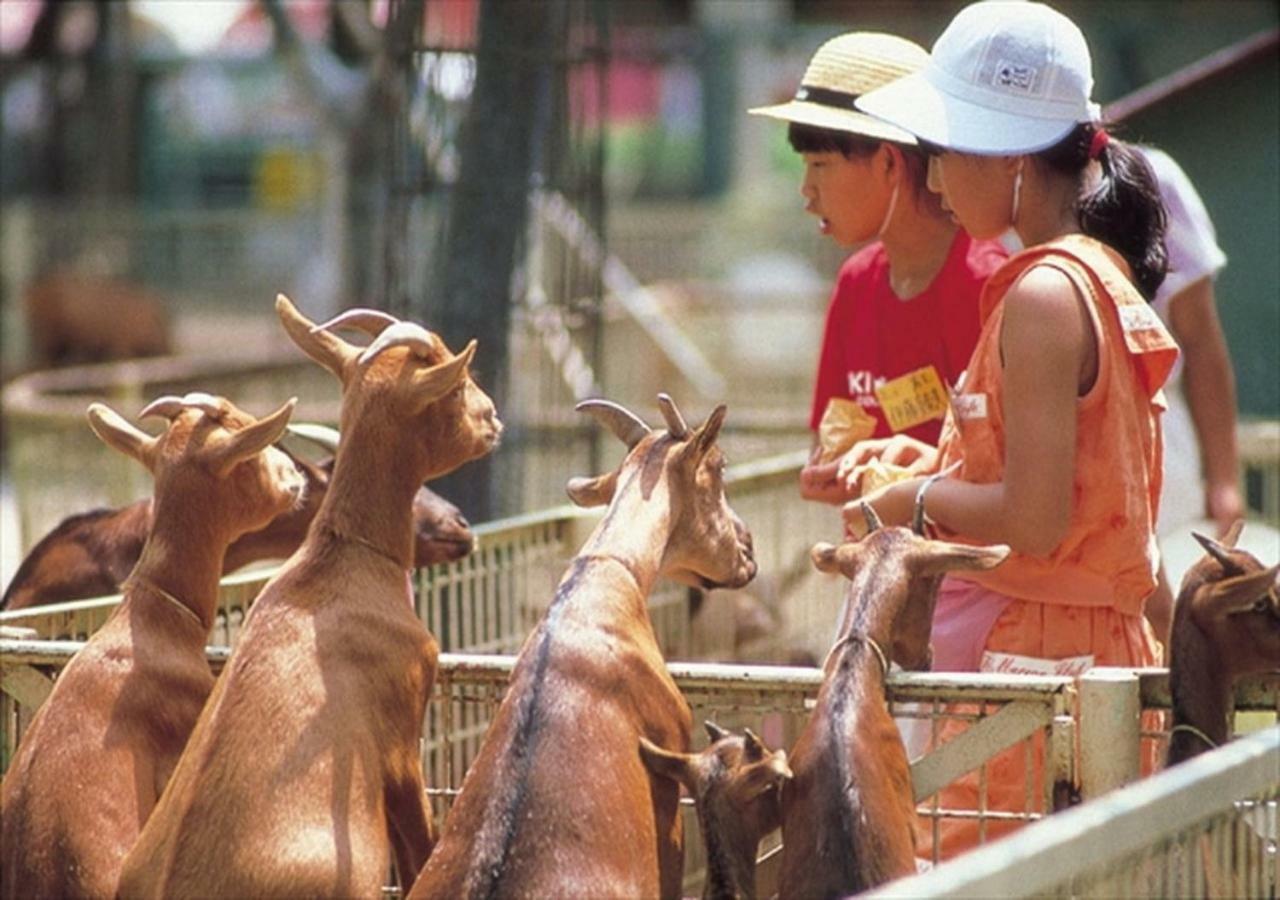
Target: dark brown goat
99,752
848,815
91,554
73,318
735,783
558,802
1226,624
304,775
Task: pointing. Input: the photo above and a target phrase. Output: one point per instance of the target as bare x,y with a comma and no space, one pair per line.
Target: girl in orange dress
1053,442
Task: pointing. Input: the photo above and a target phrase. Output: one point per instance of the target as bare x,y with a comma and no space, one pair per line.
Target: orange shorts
1044,631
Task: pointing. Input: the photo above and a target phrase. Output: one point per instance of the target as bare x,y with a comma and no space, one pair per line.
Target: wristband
920,518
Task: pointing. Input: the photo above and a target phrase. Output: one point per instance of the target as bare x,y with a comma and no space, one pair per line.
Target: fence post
1109,729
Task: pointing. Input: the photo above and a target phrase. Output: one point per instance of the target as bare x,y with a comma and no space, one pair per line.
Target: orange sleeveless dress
1086,597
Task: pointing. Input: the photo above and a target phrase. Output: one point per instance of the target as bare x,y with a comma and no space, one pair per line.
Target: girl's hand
893,504
900,450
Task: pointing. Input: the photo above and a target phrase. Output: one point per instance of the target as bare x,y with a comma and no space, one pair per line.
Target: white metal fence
1206,828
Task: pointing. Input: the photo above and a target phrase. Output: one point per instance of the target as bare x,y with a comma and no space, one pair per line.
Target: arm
1047,341
1210,388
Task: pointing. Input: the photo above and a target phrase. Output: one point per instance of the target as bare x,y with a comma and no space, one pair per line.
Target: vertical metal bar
1109,729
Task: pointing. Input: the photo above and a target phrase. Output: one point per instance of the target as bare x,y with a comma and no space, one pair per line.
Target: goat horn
168,406
408,334
370,321
869,513
322,436
1218,552
1233,534
625,425
676,425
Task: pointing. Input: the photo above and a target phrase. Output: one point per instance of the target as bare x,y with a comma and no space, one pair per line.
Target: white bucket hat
1005,77
843,69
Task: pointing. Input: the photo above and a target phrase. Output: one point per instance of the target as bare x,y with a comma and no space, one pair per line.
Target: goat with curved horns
332,665
848,815
94,762
558,802
735,783
1226,624
91,554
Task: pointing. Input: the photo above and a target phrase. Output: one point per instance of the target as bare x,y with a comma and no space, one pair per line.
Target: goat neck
370,498
1202,692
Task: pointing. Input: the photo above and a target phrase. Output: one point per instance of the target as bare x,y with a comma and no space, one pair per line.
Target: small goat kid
1226,624
100,750
558,802
848,814
91,554
735,782
303,774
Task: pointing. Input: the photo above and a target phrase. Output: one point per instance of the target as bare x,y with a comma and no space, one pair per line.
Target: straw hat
843,69
1005,77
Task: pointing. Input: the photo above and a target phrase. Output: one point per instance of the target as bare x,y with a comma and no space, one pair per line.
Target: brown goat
848,815
97,755
735,782
74,318
1226,624
558,802
304,773
91,554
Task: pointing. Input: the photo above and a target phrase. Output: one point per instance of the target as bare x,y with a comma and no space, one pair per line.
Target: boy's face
845,195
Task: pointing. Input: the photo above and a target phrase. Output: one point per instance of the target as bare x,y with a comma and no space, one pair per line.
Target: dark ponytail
1123,210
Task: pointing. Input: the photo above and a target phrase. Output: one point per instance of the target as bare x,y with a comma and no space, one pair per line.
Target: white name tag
1138,318
1012,664
970,406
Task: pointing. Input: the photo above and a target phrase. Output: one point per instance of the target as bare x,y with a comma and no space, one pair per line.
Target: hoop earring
1017,192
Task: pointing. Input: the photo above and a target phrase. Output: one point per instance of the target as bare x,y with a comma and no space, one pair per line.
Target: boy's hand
818,481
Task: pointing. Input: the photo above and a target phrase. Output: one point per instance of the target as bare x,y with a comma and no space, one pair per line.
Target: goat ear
247,442
943,556
676,766
824,557
324,347
119,434
705,437
752,747
588,492
433,383
1235,595
714,731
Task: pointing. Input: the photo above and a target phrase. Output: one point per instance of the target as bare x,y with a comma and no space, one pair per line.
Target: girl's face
976,190
845,194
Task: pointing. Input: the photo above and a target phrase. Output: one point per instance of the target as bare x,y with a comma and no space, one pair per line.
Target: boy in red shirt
905,303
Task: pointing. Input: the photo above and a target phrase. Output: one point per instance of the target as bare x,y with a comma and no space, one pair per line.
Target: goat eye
1261,604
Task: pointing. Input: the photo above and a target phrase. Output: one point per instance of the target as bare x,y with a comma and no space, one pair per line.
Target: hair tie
1098,143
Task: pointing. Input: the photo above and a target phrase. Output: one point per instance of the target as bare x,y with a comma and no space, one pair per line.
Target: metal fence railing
774,701
1022,712
1206,828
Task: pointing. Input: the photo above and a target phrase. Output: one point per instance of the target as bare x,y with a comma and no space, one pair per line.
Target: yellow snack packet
843,424
876,474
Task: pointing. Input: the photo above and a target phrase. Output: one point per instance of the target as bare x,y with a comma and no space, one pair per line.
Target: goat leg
412,828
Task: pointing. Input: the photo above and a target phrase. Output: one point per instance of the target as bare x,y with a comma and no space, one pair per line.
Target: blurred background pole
483,245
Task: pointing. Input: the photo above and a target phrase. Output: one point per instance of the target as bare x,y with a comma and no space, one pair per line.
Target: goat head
894,577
